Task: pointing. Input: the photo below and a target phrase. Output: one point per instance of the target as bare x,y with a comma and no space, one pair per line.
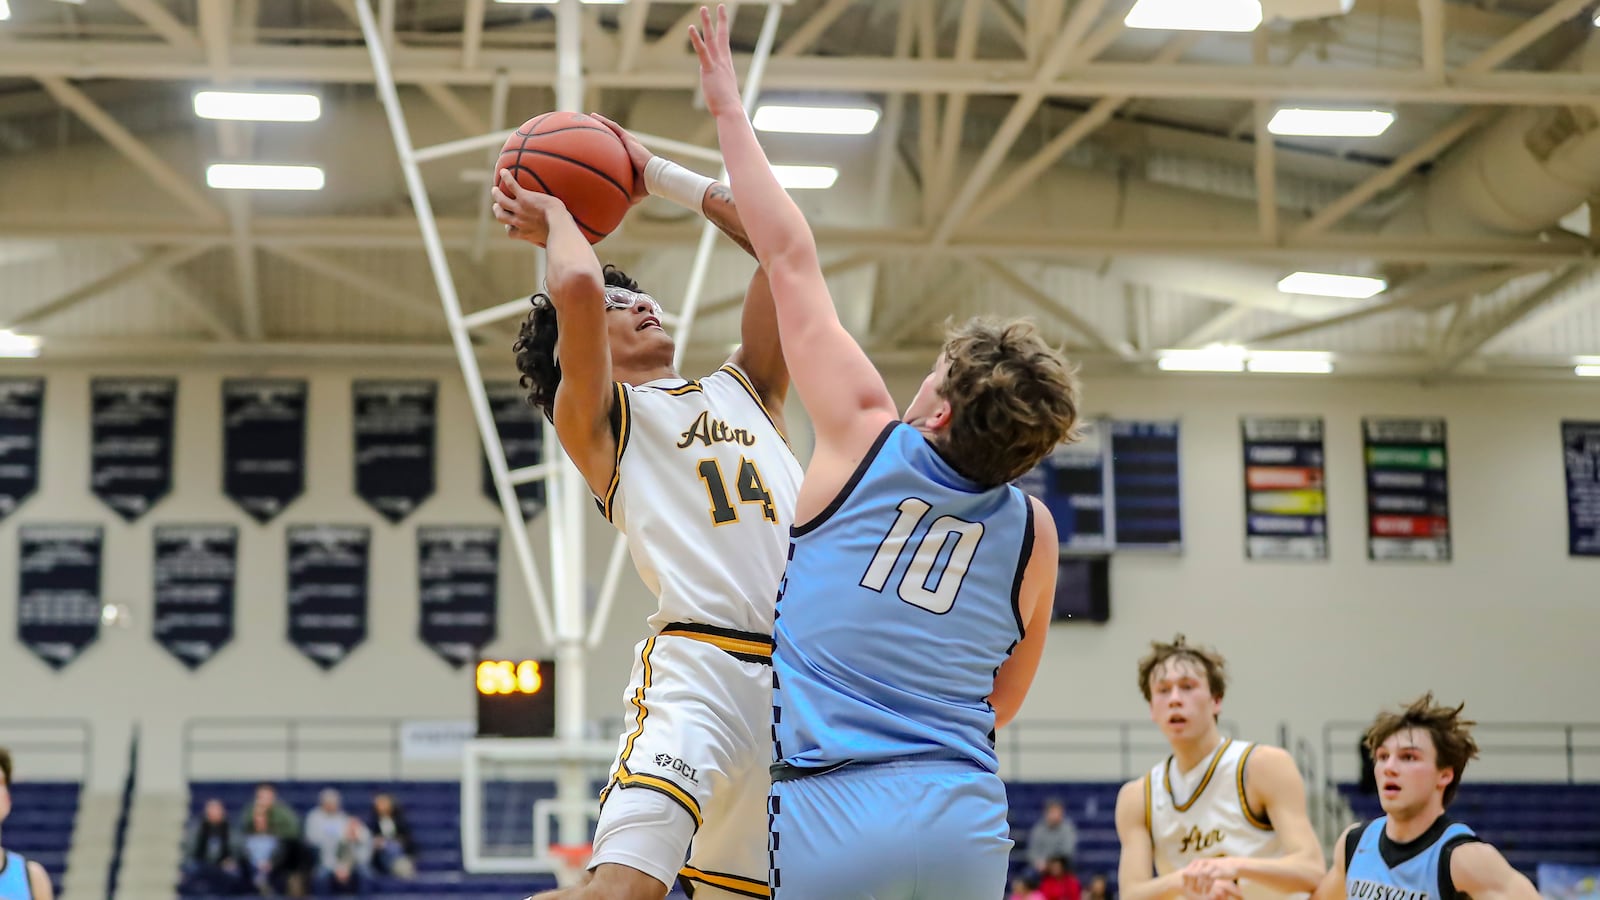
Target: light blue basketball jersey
14,878
898,606
1379,869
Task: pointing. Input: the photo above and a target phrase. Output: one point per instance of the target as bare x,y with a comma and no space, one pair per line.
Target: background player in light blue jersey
1416,851
20,878
918,592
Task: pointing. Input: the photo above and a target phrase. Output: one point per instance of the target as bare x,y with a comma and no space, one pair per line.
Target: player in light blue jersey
914,609
20,878
1415,851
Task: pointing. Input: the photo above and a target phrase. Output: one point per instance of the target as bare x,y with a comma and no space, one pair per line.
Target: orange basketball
576,159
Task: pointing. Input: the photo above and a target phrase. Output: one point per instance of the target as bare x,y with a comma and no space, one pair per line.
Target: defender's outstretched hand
717,81
525,214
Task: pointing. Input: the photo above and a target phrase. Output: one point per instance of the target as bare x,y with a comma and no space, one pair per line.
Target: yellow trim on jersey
622,444
744,382
1244,799
671,789
745,887
687,388
1211,770
644,711
728,644
1147,825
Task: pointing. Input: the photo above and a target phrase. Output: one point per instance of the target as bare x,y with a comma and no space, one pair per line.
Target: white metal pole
498,97
569,496
708,233
517,528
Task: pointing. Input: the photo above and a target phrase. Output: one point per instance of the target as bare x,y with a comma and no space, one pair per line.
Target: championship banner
458,570
1408,489
195,571
1073,483
521,429
21,414
263,444
328,590
394,429
1286,504
130,461
58,590
1146,485
1580,444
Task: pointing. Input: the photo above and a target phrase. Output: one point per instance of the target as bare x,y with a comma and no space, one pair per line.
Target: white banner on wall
442,740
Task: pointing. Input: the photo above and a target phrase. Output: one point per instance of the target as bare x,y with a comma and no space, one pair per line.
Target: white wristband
670,181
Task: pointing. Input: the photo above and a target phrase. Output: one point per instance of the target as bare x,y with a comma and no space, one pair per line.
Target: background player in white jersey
20,878
1218,818
918,593
698,475
1416,850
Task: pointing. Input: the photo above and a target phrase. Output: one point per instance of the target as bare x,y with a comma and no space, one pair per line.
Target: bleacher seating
1092,807
433,809
41,822
1531,822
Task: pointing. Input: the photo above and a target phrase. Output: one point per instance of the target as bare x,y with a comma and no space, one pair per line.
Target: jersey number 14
751,490
914,584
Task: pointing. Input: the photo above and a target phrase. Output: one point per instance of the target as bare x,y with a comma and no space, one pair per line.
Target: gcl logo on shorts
677,765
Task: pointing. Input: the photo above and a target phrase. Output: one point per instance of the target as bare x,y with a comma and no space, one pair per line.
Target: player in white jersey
1219,818
698,475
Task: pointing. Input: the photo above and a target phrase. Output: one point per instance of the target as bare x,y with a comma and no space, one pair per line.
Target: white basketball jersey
705,491
1204,813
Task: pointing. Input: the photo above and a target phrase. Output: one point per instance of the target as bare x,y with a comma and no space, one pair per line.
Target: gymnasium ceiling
1034,157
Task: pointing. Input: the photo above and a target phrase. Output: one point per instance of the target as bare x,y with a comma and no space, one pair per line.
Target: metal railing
292,748
1108,749
50,749
1508,751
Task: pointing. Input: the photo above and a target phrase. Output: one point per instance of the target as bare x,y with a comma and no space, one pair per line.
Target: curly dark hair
536,346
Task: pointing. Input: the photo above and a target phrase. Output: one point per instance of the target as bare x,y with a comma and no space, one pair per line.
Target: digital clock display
516,698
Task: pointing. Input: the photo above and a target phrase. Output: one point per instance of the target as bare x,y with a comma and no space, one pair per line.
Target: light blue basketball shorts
901,830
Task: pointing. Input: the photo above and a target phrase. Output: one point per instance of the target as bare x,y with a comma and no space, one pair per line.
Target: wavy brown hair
1452,735
1209,661
1013,399
535,347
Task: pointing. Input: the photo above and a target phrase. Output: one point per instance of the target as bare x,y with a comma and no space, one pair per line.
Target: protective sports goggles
622,298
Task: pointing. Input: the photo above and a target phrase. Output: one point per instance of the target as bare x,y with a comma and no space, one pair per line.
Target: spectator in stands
350,869
1099,888
1057,882
19,876
266,856
283,824
1053,835
209,865
1025,887
393,851
325,827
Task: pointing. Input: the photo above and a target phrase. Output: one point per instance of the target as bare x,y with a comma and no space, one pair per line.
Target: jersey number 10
914,587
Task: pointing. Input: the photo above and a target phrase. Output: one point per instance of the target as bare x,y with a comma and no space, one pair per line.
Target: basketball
576,159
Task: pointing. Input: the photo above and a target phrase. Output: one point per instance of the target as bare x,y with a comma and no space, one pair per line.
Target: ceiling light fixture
254,107
18,346
1195,15
1323,284
1215,358
806,178
816,119
1290,362
5,10
243,177
1330,122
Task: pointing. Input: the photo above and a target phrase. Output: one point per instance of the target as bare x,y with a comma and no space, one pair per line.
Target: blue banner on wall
1146,486
521,429
1286,505
458,573
394,444
58,590
328,590
1580,444
1074,482
263,444
195,573
130,463
21,415
1408,489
